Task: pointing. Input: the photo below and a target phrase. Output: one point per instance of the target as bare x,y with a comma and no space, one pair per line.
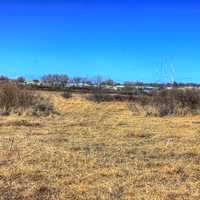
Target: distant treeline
62,82
63,79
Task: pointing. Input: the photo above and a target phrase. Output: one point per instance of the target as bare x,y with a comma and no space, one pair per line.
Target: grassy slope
99,151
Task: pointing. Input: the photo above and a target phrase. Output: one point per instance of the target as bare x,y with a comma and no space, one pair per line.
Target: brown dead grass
99,151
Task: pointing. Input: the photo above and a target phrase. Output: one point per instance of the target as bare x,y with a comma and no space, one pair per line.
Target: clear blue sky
123,40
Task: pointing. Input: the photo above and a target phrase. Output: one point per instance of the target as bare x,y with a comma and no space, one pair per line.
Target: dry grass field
99,151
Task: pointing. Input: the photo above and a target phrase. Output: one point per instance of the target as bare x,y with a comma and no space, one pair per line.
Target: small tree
129,84
63,79
109,82
98,81
4,79
86,81
21,79
129,87
77,81
175,84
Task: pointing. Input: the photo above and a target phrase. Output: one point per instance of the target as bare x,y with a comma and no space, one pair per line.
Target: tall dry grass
98,151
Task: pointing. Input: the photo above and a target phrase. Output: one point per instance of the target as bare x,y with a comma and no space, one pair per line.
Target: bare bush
66,95
171,102
100,97
42,107
12,97
77,80
17,99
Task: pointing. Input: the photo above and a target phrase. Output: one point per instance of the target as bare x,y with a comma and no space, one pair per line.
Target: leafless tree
98,81
109,82
55,79
4,79
77,80
20,79
85,81
129,84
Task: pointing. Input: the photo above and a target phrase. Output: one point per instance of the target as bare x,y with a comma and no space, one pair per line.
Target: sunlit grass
99,151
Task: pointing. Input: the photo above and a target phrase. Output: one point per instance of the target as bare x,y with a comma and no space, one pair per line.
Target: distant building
150,89
118,87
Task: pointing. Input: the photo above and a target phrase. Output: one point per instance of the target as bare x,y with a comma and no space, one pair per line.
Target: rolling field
99,151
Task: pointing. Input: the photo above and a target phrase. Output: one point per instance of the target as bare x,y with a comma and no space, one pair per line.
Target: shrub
103,97
100,97
143,99
42,106
66,95
12,97
176,101
171,102
17,99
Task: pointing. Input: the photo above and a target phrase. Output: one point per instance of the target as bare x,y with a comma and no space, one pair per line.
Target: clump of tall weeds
15,99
